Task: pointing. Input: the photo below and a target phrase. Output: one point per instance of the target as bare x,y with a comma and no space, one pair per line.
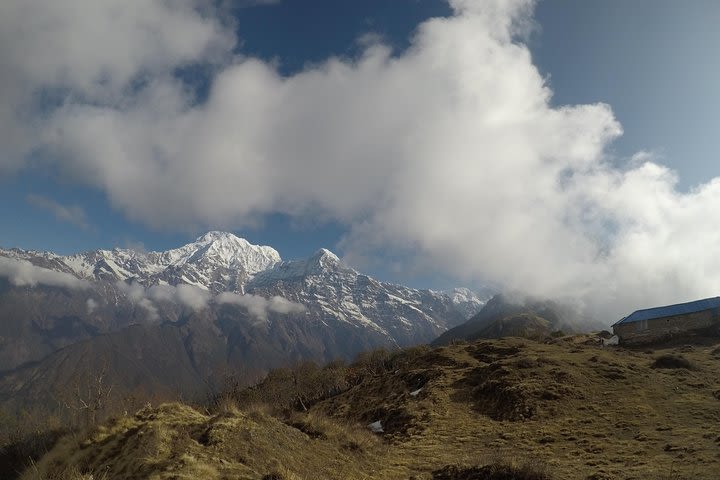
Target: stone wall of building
665,327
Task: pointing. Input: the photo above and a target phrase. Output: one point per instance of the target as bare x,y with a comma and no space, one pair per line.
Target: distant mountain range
176,320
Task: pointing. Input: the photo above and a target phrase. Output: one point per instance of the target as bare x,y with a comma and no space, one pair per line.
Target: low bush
672,361
373,362
287,389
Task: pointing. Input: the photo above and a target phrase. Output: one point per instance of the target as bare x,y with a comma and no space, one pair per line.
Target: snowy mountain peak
222,262
216,261
217,236
223,249
324,258
467,301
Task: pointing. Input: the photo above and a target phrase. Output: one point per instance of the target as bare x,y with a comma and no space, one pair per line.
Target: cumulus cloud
452,149
74,214
259,306
95,51
22,273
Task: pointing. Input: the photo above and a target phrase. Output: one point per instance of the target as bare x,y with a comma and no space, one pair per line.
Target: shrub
526,362
350,436
408,356
373,362
672,361
288,389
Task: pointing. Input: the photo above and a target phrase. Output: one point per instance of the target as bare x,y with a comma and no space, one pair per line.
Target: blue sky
652,62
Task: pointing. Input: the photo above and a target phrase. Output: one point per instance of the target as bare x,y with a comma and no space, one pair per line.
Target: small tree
88,400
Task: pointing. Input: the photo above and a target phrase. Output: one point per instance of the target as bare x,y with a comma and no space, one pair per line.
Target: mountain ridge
226,303
208,263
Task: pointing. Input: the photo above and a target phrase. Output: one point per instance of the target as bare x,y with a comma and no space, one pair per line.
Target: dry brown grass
566,410
493,471
174,441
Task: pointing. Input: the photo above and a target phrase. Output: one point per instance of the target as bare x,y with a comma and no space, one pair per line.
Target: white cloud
282,305
188,296
96,51
197,299
22,273
74,214
91,305
150,308
134,291
451,149
259,306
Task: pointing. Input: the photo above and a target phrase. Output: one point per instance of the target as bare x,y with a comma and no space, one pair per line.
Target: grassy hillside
497,409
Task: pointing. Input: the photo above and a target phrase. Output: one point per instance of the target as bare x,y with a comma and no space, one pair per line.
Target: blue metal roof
672,310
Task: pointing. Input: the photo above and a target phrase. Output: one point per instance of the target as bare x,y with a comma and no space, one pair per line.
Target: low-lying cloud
259,306
91,305
451,149
150,298
196,299
186,295
22,273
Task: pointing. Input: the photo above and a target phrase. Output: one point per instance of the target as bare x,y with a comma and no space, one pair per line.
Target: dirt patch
611,372
488,472
307,429
490,352
672,361
419,378
395,421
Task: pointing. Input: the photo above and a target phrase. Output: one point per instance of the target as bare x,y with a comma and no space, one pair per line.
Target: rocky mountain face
334,293
215,305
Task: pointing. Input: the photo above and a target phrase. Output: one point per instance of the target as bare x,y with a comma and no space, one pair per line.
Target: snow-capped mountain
170,321
222,262
216,261
333,292
468,302
117,293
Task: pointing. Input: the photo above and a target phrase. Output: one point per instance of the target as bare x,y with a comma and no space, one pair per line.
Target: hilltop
569,409
517,315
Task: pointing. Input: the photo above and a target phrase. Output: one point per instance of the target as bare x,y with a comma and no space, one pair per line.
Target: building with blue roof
652,324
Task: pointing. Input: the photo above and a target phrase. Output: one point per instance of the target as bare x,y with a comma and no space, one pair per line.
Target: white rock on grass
376,427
